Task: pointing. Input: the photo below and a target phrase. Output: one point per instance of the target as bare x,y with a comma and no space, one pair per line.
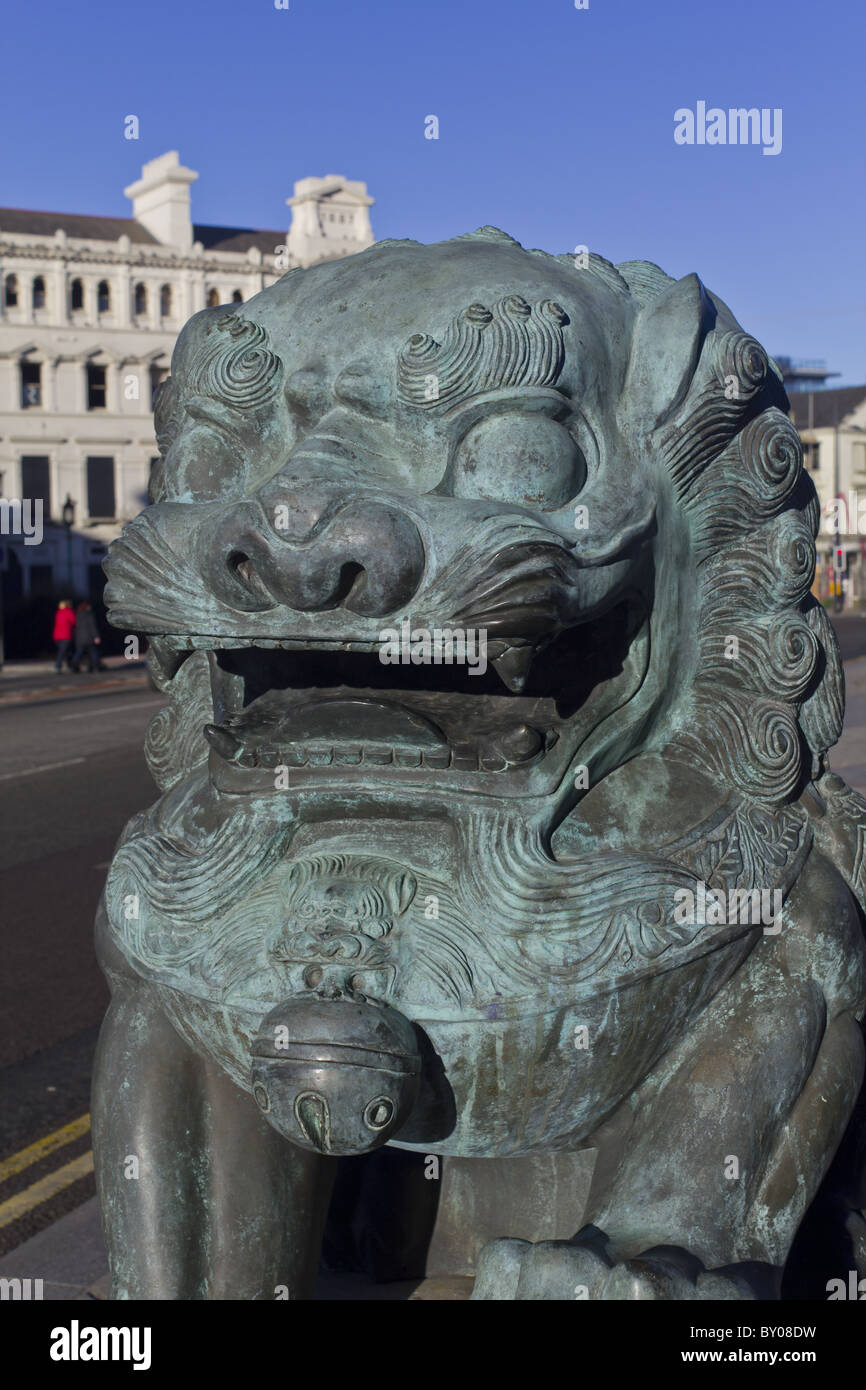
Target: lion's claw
582,1269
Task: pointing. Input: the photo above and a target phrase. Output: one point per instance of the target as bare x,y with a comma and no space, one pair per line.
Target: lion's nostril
349,573
240,564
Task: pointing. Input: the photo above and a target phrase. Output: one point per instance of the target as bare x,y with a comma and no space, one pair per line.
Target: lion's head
592,467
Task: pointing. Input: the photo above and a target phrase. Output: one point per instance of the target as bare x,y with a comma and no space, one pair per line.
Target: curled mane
768,690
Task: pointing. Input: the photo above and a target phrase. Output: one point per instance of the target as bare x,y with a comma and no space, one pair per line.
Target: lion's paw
582,1269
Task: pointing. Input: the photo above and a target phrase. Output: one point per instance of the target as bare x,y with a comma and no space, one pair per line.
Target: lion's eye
519,458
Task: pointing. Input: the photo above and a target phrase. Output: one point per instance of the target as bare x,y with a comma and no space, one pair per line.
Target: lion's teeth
224,742
436,758
513,667
378,756
227,690
465,758
520,743
348,755
493,762
407,757
320,757
168,657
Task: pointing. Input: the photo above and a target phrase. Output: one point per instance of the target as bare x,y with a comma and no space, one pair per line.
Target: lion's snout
366,557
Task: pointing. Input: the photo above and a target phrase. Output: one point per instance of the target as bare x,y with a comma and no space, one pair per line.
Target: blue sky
555,124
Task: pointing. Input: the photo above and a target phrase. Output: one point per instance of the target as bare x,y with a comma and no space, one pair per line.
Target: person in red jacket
64,629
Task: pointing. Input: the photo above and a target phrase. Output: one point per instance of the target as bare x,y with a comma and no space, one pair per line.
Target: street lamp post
68,515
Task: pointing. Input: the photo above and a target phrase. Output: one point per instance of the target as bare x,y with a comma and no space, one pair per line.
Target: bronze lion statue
497,827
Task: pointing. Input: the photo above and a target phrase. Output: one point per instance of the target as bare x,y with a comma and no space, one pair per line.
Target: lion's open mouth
342,714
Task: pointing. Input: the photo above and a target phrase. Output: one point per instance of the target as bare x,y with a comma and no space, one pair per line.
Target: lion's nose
367,557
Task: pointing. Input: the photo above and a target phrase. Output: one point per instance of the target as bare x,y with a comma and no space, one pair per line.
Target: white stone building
89,311
832,425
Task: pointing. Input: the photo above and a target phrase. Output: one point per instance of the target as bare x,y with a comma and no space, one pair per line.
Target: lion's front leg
200,1197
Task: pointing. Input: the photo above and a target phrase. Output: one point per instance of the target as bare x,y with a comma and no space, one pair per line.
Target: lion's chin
307,716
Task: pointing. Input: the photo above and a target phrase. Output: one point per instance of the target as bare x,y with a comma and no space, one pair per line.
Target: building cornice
163,259
36,439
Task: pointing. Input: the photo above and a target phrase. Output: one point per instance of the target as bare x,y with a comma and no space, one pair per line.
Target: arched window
76,295
237,297
165,301
39,293
213,299
11,293
140,298
103,297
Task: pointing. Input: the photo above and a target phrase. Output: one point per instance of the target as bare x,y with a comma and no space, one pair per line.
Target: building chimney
160,200
330,218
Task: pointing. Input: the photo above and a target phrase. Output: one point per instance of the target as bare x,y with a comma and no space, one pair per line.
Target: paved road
851,632
71,774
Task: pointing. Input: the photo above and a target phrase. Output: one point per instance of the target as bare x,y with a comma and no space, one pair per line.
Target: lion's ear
666,346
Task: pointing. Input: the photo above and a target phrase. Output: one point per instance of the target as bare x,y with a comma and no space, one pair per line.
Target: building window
31,384
213,299
76,295
140,298
165,301
11,291
103,297
157,376
36,481
237,297
39,293
812,456
96,387
100,489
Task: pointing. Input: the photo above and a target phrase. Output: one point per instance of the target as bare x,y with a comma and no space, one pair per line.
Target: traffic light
839,559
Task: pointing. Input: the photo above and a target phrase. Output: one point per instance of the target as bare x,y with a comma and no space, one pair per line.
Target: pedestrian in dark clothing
87,638
64,628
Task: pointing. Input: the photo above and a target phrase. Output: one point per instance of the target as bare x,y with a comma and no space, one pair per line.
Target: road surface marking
38,1192
25,1158
46,767
89,713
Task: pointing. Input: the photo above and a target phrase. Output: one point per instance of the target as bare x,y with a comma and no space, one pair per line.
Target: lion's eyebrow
515,344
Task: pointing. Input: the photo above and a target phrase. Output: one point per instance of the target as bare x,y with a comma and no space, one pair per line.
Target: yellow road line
38,1192
25,1158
